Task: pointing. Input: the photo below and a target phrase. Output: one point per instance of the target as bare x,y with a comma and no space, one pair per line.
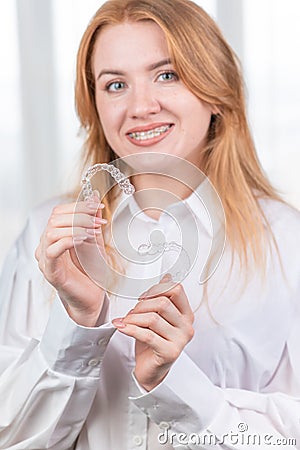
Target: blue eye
168,76
115,86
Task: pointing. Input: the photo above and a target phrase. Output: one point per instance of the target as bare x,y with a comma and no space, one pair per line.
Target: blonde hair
209,68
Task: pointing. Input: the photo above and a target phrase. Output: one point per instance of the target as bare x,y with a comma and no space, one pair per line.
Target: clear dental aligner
116,174
144,249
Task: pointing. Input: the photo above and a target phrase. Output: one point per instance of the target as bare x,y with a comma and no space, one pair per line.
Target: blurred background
39,142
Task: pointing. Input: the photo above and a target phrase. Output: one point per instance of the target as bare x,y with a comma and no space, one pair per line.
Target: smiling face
142,104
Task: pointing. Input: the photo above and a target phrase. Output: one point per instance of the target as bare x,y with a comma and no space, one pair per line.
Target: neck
163,180
155,192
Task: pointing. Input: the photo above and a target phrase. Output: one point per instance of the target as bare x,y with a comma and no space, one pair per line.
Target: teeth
144,135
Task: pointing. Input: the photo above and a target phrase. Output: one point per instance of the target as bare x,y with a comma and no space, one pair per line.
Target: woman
189,365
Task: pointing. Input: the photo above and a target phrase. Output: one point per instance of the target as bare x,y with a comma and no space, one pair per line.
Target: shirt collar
204,203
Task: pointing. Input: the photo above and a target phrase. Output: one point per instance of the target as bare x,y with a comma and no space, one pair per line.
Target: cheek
103,111
194,110
109,119
201,117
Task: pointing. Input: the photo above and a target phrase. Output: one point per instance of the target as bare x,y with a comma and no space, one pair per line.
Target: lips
149,133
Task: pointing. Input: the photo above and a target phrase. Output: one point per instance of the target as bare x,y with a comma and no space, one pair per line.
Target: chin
146,161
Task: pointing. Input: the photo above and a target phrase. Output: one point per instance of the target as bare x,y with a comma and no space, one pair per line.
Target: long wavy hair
209,68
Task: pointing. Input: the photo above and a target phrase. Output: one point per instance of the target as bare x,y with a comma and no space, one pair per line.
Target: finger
37,253
144,335
160,288
90,207
154,322
55,234
75,220
175,293
57,249
94,201
163,306
178,297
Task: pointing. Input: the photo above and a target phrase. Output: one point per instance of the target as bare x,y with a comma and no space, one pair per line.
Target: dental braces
116,174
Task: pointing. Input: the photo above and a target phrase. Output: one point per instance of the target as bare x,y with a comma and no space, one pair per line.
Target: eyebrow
153,66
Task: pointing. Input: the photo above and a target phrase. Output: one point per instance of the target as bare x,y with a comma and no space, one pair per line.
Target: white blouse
236,385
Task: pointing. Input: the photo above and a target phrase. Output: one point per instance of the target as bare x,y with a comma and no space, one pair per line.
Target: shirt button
94,362
137,440
164,425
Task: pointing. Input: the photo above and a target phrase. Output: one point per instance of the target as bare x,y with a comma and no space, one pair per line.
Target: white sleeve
199,413
49,365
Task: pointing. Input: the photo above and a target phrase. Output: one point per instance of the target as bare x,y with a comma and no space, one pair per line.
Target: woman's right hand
74,224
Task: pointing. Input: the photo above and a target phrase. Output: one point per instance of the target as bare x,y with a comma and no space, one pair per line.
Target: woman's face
142,104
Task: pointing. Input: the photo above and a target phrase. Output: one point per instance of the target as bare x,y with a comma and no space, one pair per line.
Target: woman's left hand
162,324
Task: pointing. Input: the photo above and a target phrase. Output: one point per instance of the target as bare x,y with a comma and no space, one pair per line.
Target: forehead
135,42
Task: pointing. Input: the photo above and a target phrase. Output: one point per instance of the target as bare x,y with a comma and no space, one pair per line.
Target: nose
143,103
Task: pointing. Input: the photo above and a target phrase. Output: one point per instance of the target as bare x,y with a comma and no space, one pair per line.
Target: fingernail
95,206
78,239
167,277
99,220
143,295
93,232
96,193
118,323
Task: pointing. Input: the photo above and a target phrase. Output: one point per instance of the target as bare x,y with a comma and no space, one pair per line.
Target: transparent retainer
115,173
129,189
